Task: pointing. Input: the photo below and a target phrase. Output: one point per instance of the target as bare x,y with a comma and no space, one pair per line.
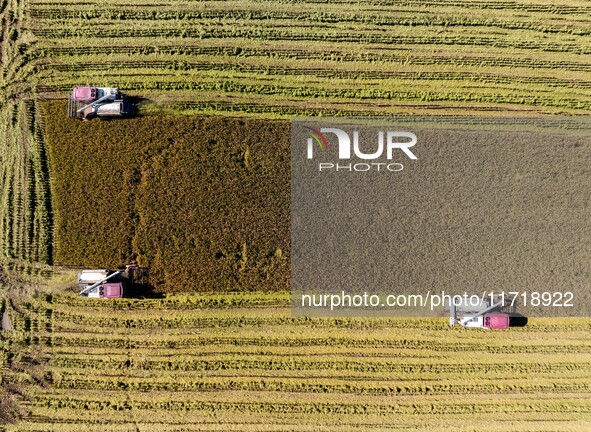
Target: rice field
222,362
26,219
336,57
241,362
202,202
275,59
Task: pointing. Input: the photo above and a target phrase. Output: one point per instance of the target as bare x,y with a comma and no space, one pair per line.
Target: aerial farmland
195,189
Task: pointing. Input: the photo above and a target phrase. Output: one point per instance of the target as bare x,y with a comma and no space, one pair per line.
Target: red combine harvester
85,103
94,284
487,314
105,283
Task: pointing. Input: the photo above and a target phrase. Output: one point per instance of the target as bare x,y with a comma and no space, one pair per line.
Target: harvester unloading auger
94,284
87,102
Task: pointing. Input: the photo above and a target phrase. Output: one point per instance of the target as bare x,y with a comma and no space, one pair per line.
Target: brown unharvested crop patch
202,201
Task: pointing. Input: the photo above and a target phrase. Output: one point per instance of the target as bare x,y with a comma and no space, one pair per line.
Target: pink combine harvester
87,102
101,283
486,314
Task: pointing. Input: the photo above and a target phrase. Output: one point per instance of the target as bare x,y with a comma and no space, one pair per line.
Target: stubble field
241,362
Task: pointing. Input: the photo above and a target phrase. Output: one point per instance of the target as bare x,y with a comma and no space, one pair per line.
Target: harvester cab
85,103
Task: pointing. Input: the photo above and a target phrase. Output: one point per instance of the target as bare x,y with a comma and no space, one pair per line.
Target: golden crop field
334,57
202,202
241,362
275,59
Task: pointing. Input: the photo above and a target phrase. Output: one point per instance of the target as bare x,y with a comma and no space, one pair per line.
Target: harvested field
240,362
282,57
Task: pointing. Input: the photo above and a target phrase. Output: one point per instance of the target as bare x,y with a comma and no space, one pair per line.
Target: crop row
282,109
210,317
319,363
445,5
332,11
14,184
291,35
16,187
204,352
177,52
399,387
299,107
100,16
25,208
41,225
478,5
205,319
166,322
554,9
69,421
369,365
176,302
370,352
193,319
95,340
246,87
315,408
322,72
